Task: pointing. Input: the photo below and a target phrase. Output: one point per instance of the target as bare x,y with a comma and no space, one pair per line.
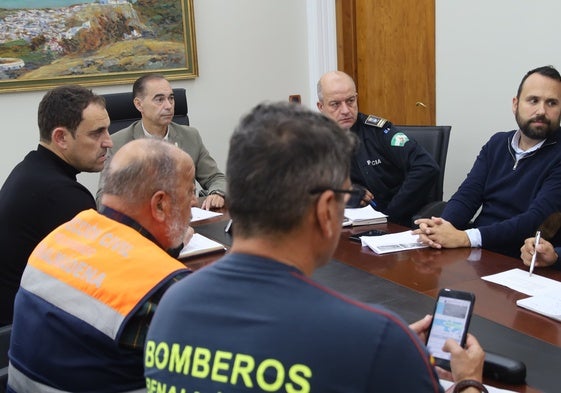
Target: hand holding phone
451,318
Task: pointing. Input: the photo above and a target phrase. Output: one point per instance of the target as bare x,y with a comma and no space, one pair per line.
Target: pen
372,203
536,242
228,226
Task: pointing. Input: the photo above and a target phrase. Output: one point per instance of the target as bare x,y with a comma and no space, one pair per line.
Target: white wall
248,51
254,50
483,49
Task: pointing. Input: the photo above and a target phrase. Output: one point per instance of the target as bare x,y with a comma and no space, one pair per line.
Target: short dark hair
278,154
63,106
548,71
139,85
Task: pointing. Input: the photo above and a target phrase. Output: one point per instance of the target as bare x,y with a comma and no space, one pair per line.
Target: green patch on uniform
399,139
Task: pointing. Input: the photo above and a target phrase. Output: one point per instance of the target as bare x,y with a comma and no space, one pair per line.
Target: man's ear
327,214
514,105
137,104
159,204
60,137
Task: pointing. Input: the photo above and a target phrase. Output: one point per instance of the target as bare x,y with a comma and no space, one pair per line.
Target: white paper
392,242
200,244
363,213
547,303
199,214
521,281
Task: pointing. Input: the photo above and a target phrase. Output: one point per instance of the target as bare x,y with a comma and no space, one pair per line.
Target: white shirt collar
518,150
148,135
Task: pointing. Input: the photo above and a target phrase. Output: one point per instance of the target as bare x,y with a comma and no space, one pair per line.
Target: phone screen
451,319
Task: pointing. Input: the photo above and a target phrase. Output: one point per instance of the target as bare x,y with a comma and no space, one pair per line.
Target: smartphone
451,317
372,232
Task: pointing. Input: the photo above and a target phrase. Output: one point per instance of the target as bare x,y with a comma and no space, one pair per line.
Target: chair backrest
435,141
122,111
5,332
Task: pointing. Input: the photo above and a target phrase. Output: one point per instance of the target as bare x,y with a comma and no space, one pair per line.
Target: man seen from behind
91,286
254,320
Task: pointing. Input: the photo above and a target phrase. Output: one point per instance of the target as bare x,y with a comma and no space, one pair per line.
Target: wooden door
388,47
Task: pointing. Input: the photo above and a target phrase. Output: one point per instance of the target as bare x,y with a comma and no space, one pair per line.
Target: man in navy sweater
516,178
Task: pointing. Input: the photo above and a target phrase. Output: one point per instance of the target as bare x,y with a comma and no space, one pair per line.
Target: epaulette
375,121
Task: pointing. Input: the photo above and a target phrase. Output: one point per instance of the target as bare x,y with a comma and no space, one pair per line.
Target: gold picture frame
94,43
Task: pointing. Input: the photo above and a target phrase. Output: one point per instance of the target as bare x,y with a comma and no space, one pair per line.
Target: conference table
407,283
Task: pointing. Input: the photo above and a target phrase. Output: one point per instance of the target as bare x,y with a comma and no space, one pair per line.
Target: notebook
363,216
199,245
548,304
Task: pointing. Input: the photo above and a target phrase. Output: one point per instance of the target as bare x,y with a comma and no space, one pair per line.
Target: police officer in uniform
396,172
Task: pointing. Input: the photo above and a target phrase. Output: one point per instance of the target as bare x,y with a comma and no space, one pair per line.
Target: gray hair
154,169
278,154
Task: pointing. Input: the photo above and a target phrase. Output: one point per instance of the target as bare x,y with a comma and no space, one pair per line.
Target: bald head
152,181
143,166
337,98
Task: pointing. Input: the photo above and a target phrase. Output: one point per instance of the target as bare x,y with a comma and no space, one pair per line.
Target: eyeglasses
356,194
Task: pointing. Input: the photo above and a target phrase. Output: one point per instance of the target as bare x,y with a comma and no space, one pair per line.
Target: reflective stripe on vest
97,269
20,383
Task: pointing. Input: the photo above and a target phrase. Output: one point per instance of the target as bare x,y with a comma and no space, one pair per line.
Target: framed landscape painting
45,43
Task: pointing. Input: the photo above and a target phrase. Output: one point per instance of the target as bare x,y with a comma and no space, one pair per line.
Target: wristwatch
216,192
469,383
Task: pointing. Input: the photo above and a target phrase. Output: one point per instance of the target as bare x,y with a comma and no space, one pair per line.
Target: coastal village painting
45,43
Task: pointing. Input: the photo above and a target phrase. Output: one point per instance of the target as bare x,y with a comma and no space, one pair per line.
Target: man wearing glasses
255,320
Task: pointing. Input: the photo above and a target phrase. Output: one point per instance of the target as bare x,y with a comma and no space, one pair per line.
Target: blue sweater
514,198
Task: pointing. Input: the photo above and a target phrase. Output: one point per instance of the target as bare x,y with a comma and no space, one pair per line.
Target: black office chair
122,111
5,332
435,140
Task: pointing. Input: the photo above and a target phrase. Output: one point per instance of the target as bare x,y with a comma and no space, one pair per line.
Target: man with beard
515,180
90,288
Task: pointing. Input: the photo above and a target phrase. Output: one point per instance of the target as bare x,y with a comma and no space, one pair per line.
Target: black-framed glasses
356,194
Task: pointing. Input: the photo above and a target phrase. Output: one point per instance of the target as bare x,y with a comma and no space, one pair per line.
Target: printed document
392,242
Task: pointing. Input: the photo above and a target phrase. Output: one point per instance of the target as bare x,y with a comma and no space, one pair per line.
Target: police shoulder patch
399,139
375,121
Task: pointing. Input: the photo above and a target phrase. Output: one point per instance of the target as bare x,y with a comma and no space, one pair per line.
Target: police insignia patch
375,121
399,139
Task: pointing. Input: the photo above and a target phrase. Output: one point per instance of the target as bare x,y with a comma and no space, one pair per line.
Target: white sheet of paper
199,214
392,242
363,213
520,281
200,244
546,303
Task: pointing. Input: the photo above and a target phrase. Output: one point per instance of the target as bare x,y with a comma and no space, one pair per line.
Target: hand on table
436,232
213,201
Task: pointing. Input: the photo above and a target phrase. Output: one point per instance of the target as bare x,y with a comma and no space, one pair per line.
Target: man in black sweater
42,192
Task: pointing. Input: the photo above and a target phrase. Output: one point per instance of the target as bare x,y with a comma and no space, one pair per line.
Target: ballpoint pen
373,204
228,227
536,242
